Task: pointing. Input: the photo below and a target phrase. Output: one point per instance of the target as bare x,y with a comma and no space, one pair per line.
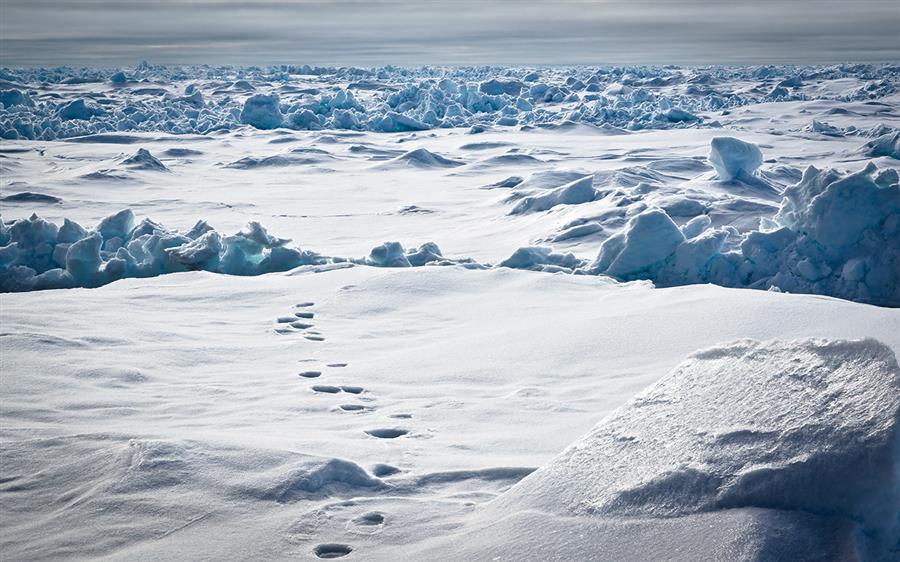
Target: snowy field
450,314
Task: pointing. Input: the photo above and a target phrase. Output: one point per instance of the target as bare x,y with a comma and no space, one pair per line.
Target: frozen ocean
450,312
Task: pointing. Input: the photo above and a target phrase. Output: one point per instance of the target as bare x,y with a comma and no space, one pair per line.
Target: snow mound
573,193
733,158
807,426
422,158
262,111
143,160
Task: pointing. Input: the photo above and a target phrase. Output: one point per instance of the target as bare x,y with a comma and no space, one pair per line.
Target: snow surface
295,312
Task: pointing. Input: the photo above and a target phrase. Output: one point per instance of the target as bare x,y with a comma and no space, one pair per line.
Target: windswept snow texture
66,102
808,429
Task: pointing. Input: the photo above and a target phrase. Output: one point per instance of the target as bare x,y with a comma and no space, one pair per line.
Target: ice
143,160
805,426
540,258
78,109
887,145
733,158
390,99
262,111
641,249
573,193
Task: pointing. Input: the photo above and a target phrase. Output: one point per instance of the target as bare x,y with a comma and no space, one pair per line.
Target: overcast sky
376,32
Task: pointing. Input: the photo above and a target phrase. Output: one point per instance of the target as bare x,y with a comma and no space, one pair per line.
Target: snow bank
806,426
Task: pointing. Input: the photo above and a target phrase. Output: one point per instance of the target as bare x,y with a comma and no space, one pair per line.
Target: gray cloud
109,32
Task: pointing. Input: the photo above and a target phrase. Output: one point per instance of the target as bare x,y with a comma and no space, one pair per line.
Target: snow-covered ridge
59,103
802,428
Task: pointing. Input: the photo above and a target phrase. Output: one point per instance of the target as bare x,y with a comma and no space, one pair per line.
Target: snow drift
806,427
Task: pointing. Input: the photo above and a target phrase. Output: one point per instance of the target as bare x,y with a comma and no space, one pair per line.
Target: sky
412,33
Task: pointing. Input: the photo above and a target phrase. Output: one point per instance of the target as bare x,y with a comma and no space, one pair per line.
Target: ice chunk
426,253
83,260
118,225
886,145
540,258
262,111
643,246
389,254
733,158
78,109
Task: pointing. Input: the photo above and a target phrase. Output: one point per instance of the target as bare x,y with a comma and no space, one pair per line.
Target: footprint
353,389
301,325
299,315
401,416
310,374
354,407
336,365
286,319
332,550
326,388
314,338
304,304
283,331
370,518
387,433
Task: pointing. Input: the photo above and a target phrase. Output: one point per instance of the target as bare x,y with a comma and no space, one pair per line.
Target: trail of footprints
300,322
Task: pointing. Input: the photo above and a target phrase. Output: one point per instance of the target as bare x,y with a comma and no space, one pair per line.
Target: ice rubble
389,99
36,254
833,234
804,427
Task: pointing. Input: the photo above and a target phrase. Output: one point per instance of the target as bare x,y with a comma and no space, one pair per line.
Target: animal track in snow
332,550
306,315
355,407
326,388
387,433
336,365
310,374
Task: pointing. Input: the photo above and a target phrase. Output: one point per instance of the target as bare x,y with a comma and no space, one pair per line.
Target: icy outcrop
262,111
573,193
733,158
886,145
541,258
37,255
809,427
833,235
143,160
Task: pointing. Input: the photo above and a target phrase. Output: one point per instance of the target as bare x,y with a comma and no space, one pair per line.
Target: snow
367,321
